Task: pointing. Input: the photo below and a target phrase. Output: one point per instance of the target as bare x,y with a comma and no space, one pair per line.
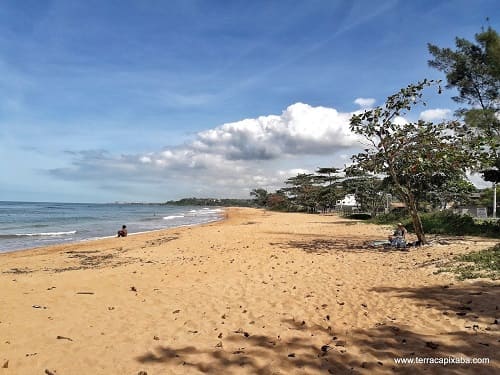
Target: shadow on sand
330,348
471,302
251,354
319,246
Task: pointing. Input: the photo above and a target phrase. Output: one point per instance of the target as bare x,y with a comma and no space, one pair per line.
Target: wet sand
258,293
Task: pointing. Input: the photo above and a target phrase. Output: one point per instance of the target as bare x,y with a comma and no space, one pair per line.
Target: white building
348,201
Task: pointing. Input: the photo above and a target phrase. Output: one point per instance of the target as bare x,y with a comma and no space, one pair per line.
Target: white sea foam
172,217
46,234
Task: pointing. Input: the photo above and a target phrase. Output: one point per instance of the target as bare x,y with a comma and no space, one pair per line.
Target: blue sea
26,225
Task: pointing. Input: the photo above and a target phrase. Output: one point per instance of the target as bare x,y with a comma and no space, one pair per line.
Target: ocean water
25,225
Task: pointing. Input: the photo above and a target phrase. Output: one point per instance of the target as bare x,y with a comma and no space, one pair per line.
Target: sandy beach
258,293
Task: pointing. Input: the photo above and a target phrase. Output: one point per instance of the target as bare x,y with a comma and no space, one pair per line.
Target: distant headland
224,202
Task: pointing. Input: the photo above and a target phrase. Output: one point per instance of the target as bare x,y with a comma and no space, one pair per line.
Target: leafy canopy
416,156
474,70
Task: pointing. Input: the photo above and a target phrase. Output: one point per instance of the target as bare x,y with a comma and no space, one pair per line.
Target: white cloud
300,129
365,102
399,120
230,158
436,114
293,172
477,180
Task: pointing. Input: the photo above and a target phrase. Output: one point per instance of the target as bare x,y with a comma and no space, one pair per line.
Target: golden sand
258,293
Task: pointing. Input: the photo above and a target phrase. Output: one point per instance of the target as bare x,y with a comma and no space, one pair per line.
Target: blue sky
154,100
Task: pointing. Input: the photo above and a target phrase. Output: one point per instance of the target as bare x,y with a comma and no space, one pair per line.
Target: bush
446,222
390,218
484,263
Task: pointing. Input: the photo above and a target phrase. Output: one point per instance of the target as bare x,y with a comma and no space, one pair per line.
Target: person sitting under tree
398,238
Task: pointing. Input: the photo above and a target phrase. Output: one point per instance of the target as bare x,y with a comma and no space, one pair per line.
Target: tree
302,191
260,196
369,190
457,191
278,201
486,195
327,179
474,70
410,154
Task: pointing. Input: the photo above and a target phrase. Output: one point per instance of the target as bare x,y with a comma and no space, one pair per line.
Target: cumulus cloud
300,129
231,157
436,114
365,102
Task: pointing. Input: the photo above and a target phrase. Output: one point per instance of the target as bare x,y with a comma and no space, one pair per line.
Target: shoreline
94,240
72,242
257,292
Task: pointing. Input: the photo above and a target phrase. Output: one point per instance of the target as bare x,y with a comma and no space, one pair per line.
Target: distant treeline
224,202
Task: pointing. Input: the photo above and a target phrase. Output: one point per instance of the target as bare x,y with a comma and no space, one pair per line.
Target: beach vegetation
307,192
302,192
260,197
330,191
391,217
479,264
278,201
444,223
447,222
370,191
473,68
485,197
421,165
415,156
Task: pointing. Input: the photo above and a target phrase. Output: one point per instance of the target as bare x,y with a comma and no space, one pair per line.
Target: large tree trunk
411,203
417,223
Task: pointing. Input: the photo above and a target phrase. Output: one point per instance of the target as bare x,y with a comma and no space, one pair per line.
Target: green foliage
260,195
474,70
417,157
392,217
486,197
309,192
443,191
302,192
369,191
327,180
492,175
487,258
305,192
446,222
278,202
484,263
